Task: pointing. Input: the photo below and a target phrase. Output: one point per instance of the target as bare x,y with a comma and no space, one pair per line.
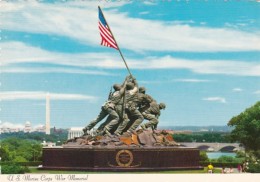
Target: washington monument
47,125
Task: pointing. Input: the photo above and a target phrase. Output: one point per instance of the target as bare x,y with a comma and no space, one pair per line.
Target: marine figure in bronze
152,115
108,109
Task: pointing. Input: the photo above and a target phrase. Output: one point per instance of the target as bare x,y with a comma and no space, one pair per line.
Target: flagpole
116,42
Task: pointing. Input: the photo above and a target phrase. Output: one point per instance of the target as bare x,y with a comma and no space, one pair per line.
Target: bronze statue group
126,108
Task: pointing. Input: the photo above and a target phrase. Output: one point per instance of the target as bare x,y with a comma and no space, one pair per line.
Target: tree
4,153
182,138
19,159
227,159
14,169
204,156
201,137
247,128
20,150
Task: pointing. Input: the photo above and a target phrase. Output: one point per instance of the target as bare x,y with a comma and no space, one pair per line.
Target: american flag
106,35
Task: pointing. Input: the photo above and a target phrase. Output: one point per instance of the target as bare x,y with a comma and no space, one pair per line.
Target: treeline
198,128
202,137
223,161
20,150
16,153
38,136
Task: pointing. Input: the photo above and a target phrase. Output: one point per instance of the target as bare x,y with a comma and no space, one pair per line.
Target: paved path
227,169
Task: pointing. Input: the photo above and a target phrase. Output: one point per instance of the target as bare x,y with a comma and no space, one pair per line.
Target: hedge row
31,163
220,164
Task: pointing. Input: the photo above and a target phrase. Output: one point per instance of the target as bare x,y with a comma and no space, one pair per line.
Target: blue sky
199,57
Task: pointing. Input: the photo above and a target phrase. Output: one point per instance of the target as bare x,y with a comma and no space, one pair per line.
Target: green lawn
37,171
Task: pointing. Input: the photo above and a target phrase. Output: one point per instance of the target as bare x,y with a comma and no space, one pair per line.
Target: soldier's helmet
162,106
117,87
129,86
142,90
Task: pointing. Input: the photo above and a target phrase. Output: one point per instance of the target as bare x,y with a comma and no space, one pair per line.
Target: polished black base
121,158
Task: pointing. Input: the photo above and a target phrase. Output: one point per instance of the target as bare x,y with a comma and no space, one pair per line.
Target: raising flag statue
107,37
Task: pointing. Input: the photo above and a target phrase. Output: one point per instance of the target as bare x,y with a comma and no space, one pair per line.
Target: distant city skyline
201,58
7,127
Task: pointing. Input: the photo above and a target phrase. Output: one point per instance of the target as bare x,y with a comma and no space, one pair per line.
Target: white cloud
257,92
77,20
40,95
80,24
54,70
231,25
209,66
17,52
215,99
174,80
11,125
192,80
152,82
144,13
237,89
182,22
150,2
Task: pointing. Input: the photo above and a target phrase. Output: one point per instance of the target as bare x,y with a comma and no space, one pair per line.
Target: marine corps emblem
124,158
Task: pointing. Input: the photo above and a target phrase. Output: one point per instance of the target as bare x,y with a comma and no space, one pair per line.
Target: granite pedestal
120,158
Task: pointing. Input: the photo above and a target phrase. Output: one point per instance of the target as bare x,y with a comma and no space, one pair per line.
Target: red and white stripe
107,38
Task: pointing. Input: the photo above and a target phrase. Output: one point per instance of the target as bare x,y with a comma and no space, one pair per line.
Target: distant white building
75,132
40,128
27,127
204,130
78,132
7,127
48,144
12,130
